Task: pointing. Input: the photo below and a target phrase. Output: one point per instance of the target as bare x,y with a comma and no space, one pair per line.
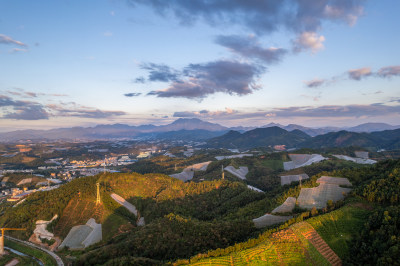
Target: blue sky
82,63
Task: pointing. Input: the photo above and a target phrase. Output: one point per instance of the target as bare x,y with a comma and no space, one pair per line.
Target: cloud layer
197,81
286,113
250,48
29,110
260,17
357,74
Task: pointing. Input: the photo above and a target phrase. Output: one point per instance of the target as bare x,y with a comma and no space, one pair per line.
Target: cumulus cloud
249,47
308,41
358,74
8,40
315,83
132,94
389,71
261,17
201,80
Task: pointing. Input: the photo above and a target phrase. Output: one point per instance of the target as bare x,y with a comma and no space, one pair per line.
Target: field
321,240
276,165
337,228
286,247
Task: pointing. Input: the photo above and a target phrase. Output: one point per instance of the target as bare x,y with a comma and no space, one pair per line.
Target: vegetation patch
339,227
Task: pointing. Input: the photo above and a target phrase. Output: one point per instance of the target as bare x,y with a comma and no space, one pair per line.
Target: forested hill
214,218
365,231
264,137
259,137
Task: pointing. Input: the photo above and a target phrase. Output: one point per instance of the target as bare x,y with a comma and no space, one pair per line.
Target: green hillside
211,221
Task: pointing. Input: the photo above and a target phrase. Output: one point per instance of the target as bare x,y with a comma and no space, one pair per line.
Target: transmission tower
223,174
98,194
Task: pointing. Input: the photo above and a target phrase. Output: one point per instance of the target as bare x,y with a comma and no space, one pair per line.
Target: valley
193,204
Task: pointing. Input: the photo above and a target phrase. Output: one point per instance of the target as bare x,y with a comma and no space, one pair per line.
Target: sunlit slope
285,247
321,240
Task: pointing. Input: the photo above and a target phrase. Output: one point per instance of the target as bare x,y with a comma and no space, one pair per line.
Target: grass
275,165
22,260
339,227
42,256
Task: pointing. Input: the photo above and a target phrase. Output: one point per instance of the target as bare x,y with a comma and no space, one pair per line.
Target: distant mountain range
258,137
270,136
186,129
367,127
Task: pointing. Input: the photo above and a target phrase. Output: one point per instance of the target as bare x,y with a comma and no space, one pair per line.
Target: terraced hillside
338,227
291,246
321,240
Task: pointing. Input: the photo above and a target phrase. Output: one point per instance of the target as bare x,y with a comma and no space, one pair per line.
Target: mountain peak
188,120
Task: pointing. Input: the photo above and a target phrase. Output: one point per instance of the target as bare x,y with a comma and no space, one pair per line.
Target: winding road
26,243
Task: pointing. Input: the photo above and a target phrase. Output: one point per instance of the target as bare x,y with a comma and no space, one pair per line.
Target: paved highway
54,255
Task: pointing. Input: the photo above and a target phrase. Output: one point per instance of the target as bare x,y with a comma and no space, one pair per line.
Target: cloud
308,41
389,71
159,72
358,74
22,110
377,109
341,12
197,81
8,40
28,110
249,47
18,50
260,17
315,83
325,113
30,94
81,111
139,80
132,94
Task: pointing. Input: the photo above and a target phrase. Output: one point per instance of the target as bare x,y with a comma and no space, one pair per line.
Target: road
26,243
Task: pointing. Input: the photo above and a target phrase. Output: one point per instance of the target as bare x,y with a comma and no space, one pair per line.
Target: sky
234,62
